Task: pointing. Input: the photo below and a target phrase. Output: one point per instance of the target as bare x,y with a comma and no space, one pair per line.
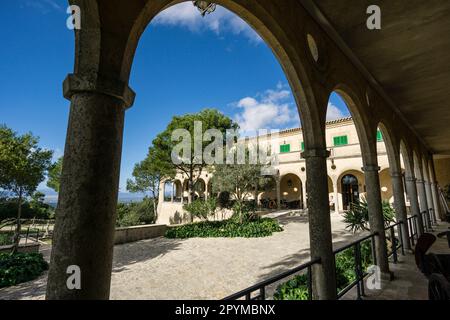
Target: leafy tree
23,165
147,177
192,168
54,175
240,181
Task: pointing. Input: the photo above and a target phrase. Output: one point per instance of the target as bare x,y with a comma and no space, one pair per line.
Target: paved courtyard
199,268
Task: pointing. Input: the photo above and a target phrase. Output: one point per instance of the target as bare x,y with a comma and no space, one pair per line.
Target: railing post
394,246
374,254
358,273
400,233
310,293
262,293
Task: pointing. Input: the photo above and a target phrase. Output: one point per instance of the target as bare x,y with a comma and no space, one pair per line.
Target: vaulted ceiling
409,58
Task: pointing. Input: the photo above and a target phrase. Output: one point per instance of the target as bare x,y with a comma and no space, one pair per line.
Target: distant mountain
51,197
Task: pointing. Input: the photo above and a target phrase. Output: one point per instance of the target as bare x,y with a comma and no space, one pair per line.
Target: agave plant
357,218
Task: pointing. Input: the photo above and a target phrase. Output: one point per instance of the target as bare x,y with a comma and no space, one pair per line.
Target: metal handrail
261,286
359,273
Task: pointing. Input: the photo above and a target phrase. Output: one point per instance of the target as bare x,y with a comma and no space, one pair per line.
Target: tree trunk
155,207
15,247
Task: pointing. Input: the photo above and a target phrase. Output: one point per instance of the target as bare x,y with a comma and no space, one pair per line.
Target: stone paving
199,268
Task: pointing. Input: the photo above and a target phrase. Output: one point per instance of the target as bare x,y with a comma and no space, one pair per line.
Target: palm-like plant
357,218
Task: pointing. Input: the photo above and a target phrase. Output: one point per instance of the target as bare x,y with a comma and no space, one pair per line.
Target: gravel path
199,268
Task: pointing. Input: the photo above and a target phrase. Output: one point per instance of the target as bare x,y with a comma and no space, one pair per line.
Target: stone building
345,176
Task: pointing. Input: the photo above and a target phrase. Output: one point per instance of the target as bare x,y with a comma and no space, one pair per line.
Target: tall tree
54,175
147,177
240,180
23,165
192,167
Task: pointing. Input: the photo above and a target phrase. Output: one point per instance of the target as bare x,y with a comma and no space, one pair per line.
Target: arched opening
178,191
200,189
350,191
168,191
291,191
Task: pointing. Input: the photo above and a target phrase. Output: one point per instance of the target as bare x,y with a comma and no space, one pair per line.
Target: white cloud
334,113
273,109
220,21
44,6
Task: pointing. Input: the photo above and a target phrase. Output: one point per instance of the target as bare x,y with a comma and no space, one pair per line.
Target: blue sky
184,63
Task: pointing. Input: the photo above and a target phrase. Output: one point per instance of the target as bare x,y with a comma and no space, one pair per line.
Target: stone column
277,179
411,189
86,212
321,243
304,195
430,200
336,196
400,206
422,200
437,207
435,191
376,219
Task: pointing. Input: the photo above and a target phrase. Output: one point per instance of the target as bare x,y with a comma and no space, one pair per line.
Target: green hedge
297,289
20,267
227,229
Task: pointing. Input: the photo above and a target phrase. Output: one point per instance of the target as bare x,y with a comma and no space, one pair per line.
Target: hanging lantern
205,7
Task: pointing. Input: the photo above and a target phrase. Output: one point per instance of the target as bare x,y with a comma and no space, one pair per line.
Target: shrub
357,218
134,214
6,238
201,209
20,267
227,229
296,288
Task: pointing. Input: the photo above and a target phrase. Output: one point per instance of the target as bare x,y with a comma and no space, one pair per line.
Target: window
285,148
379,136
302,146
340,141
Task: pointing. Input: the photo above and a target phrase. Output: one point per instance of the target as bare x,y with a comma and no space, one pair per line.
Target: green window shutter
379,136
285,148
303,146
340,141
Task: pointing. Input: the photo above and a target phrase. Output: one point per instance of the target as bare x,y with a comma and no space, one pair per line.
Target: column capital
111,87
396,175
411,179
315,153
420,181
370,168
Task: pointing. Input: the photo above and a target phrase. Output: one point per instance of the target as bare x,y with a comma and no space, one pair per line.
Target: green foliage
6,238
54,175
34,208
20,267
224,199
244,211
23,163
147,176
297,289
165,147
226,229
135,214
357,218
202,209
294,289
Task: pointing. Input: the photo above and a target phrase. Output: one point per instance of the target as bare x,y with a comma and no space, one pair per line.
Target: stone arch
292,60
366,137
392,149
167,190
291,191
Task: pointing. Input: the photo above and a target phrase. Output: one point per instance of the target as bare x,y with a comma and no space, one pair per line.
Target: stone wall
136,233
24,248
